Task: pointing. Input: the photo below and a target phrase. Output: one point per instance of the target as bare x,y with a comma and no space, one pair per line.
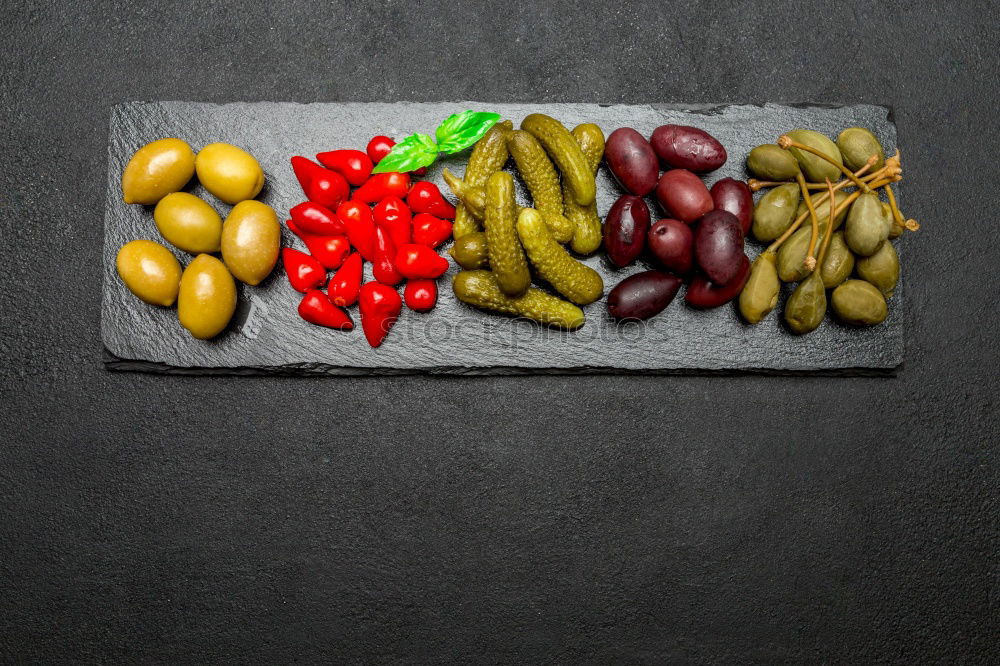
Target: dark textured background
496,519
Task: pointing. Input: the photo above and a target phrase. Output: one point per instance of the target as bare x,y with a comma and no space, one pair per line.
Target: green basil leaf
413,152
461,130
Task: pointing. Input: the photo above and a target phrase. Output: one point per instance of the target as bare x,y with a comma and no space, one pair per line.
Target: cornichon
480,289
565,152
586,221
507,258
576,281
473,199
487,156
542,181
470,251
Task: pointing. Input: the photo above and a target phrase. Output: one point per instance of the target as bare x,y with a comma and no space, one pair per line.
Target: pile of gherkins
845,248
559,168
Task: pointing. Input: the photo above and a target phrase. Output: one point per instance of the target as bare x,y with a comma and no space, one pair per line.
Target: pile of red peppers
388,220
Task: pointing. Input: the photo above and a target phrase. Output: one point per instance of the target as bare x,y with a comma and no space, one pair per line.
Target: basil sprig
456,133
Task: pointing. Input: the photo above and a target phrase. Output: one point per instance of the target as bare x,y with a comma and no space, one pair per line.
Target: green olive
156,170
770,162
230,173
792,254
806,307
188,223
857,144
881,269
859,303
866,227
815,168
251,238
775,212
150,271
207,297
823,209
838,262
760,294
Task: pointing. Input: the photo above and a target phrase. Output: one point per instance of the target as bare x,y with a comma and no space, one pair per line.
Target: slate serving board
267,336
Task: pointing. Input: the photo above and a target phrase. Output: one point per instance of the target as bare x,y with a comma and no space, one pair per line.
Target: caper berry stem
829,228
897,216
810,257
787,142
756,185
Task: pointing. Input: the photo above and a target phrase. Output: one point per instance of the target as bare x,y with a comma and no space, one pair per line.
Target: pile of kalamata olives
702,237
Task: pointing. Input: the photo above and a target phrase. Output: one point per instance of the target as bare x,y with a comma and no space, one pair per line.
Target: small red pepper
360,227
419,261
392,215
420,295
330,251
322,186
304,272
425,197
353,165
313,218
378,148
384,266
382,185
429,230
345,283
379,305
317,309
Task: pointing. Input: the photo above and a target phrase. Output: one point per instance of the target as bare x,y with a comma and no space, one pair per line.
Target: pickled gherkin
574,280
507,258
487,156
566,153
586,221
480,289
470,251
542,180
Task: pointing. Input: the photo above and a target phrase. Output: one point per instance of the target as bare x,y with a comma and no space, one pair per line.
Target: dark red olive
672,242
625,229
702,293
642,295
718,245
734,196
683,195
684,147
632,161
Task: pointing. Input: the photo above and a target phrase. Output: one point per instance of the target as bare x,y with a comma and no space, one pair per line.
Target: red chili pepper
329,250
313,218
360,228
420,295
304,272
378,148
345,283
419,261
353,165
429,230
317,309
384,266
382,185
392,215
322,186
379,305
425,197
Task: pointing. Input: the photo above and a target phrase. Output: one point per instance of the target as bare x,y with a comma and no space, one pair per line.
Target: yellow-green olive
207,297
188,223
156,170
866,228
150,271
815,168
770,162
230,173
806,307
857,144
251,238
838,262
775,212
881,269
792,253
859,303
760,294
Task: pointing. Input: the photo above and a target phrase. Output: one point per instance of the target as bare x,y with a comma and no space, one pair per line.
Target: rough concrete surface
151,518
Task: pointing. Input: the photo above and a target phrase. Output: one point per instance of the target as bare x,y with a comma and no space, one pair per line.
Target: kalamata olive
672,242
683,195
642,295
702,293
734,196
684,147
718,246
632,161
625,229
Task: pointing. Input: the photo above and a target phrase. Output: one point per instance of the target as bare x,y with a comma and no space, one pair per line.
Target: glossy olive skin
734,196
642,295
685,147
881,269
188,223
683,196
632,161
775,212
856,145
858,303
251,239
838,262
815,168
718,246
866,227
760,294
625,229
792,253
672,242
230,173
771,162
207,297
156,170
806,306
702,293
150,271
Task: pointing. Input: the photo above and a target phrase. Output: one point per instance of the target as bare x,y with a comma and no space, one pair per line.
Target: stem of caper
810,259
756,185
787,142
829,228
897,216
